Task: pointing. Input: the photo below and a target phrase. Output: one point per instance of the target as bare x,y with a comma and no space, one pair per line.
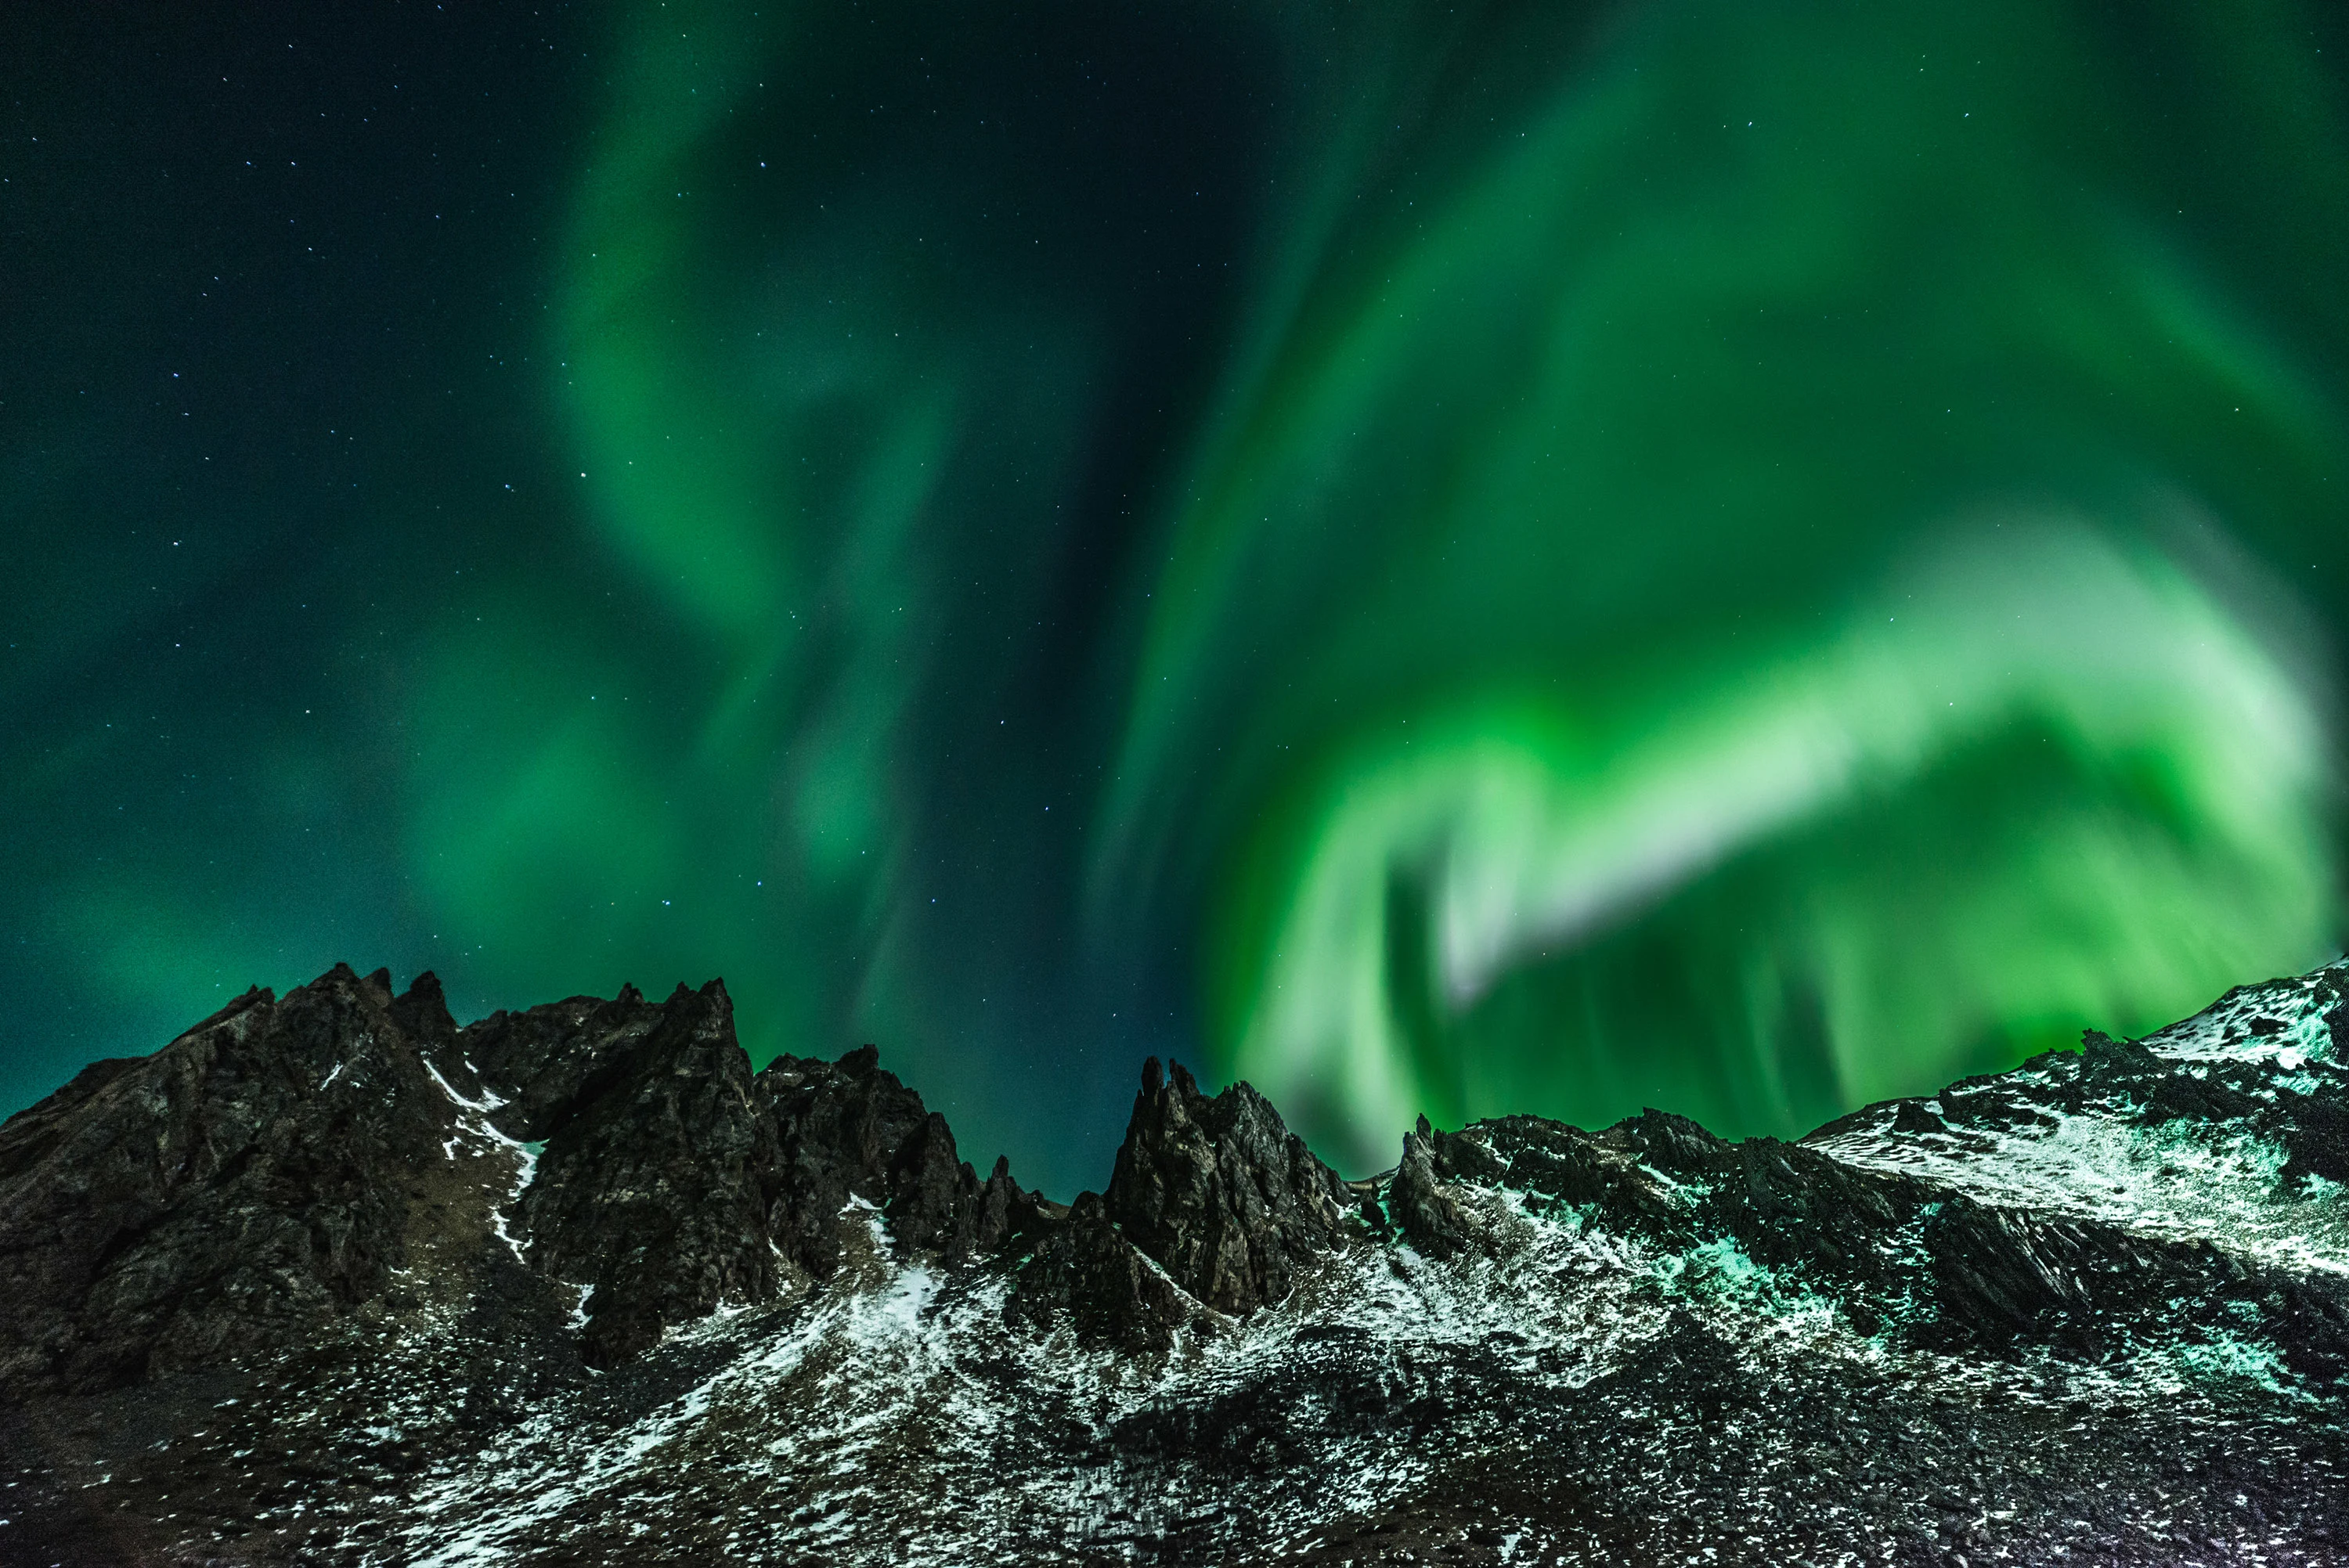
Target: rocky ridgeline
332,1279
277,1169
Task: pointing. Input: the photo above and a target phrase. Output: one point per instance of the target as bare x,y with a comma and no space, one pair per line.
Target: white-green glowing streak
1529,837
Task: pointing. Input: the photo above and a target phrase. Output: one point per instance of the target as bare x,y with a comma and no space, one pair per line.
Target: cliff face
331,1279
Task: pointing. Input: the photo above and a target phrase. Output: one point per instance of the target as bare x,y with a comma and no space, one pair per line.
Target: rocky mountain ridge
332,1279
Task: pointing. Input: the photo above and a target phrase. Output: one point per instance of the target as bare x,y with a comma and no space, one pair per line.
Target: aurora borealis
1748,558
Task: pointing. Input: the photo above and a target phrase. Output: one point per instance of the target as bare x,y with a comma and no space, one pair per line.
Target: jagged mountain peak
1221,1194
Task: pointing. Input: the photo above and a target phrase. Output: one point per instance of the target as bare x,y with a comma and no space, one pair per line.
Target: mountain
331,1279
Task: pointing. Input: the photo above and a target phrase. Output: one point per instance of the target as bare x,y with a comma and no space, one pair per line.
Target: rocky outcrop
1214,1210
658,1180
1084,1275
1419,1200
237,1192
548,1061
850,1131
1221,1194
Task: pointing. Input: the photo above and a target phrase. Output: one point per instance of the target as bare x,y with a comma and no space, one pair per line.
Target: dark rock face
1227,1199
658,1180
1085,1272
1215,1209
551,1058
1420,1200
850,1131
231,1195
331,1279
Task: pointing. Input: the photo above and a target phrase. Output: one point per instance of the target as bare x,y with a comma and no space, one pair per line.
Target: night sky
1477,558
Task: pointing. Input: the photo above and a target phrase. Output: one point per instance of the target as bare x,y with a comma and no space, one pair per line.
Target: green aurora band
1508,558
